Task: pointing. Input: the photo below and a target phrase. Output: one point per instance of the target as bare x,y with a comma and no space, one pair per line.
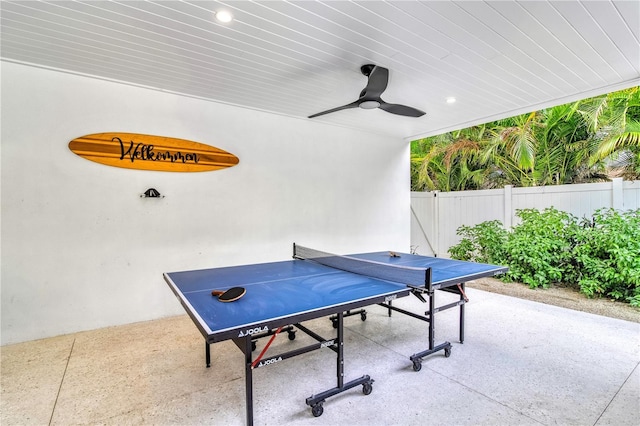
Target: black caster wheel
363,316
292,335
253,345
367,388
335,323
317,410
417,364
447,352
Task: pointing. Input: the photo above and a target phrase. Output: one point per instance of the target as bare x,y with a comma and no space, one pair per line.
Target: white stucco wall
80,248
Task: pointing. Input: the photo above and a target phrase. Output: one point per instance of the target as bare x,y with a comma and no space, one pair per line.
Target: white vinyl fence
435,215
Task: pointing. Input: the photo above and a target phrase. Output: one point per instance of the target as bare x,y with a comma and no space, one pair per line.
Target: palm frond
591,111
629,137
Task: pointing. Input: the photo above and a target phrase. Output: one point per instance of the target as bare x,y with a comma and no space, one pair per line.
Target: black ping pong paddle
230,295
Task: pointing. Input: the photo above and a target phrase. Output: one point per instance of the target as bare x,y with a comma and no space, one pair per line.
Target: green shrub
538,250
600,256
482,243
608,256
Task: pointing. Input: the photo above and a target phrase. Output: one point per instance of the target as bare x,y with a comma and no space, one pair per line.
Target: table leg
340,361
248,380
462,303
416,359
432,318
316,401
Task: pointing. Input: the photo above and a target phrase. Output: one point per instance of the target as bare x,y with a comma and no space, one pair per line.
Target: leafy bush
608,256
538,250
482,243
601,256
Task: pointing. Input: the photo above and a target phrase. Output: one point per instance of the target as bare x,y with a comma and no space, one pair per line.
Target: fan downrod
366,69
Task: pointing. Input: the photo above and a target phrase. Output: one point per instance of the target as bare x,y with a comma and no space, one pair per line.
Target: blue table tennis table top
280,293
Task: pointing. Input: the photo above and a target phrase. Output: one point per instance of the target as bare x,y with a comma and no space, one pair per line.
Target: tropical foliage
598,256
585,141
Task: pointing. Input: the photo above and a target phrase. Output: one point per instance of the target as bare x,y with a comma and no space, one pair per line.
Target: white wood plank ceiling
497,58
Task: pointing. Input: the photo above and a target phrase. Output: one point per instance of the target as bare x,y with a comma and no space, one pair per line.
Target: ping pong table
280,296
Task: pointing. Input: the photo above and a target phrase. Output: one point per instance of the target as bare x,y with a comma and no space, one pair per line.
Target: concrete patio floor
522,363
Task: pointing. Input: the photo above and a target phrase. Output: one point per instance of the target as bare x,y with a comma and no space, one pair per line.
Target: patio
522,362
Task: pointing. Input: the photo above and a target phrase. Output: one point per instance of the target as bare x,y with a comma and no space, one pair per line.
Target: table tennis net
400,274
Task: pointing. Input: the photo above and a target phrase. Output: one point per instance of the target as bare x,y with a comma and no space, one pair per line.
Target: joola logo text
327,343
390,298
252,331
269,361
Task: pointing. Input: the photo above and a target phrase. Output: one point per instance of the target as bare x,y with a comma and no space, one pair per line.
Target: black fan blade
348,106
378,80
401,110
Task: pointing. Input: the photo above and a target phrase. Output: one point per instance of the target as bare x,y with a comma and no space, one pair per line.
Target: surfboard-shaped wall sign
147,152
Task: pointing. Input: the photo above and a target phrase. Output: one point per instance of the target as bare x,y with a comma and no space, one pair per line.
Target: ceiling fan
370,95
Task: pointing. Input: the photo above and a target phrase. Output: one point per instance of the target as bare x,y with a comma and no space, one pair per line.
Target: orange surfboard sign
148,152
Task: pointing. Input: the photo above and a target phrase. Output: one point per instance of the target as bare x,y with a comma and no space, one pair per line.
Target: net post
427,280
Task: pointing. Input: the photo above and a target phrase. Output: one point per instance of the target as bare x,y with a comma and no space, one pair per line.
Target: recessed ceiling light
224,16
451,100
